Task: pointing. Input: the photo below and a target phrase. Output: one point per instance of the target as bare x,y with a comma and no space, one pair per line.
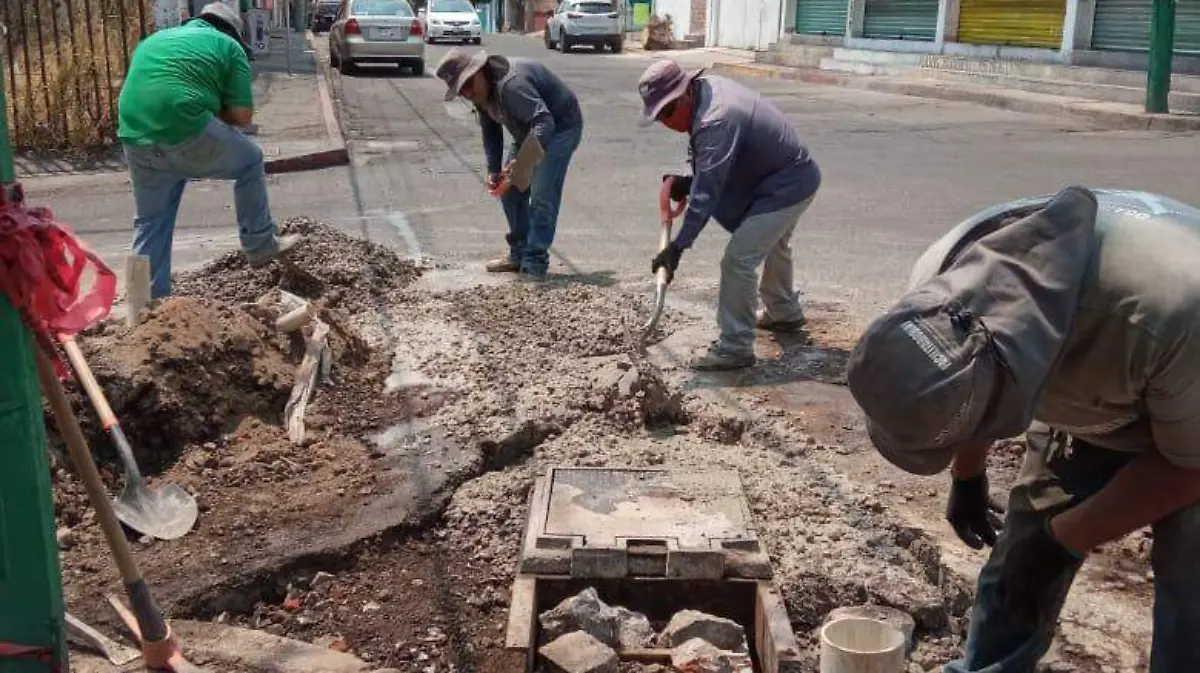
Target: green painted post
1162,49
31,601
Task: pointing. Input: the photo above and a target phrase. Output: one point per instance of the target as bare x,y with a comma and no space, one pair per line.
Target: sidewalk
1106,97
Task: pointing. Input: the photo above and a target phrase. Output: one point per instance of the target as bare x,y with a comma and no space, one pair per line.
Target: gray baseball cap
661,83
962,358
457,66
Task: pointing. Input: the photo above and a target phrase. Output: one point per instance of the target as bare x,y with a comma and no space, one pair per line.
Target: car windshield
451,6
594,8
380,8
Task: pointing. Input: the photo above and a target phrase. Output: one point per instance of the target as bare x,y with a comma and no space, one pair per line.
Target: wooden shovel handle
84,373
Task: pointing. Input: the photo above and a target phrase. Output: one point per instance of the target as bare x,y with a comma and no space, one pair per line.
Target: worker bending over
1079,313
751,173
543,117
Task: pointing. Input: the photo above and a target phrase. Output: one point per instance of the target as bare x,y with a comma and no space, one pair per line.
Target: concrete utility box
652,540
589,522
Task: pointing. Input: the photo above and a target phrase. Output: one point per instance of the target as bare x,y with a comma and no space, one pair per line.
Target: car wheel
333,58
617,46
546,38
418,69
478,40
564,42
345,66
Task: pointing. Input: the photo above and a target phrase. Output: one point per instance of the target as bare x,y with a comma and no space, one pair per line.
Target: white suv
585,22
452,20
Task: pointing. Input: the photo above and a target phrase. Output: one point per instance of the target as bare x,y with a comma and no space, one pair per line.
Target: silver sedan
377,31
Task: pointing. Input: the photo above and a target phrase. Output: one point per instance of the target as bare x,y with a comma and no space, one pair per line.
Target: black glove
972,513
669,258
1030,571
680,188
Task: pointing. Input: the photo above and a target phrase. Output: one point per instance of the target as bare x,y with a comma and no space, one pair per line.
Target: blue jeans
159,173
1054,479
533,215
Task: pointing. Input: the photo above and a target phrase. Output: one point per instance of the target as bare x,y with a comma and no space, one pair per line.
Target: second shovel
166,512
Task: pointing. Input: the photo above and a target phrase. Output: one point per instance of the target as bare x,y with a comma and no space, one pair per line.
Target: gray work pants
764,240
1057,475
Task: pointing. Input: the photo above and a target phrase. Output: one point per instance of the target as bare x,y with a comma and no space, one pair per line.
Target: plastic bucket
856,645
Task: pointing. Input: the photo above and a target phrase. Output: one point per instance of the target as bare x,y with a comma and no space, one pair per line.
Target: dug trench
393,530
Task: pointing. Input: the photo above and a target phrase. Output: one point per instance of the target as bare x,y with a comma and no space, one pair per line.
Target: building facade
1100,32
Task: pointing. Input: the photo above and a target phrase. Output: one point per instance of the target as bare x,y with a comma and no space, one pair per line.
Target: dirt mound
347,271
189,371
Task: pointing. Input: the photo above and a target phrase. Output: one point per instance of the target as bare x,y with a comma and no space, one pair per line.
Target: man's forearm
1143,492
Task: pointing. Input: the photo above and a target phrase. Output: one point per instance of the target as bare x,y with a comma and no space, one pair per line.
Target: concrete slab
606,522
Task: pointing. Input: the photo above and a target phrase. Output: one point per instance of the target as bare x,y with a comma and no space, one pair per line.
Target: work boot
280,246
532,276
502,265
718,358
768,323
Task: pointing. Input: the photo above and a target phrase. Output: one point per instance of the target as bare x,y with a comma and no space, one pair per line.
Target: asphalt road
898,171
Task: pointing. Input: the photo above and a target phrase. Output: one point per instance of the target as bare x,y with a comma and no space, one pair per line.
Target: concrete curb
333,127
1107,114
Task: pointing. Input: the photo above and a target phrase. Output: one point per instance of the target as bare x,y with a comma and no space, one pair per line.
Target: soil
450,404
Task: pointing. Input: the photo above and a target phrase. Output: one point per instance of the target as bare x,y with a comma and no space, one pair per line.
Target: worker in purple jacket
749,172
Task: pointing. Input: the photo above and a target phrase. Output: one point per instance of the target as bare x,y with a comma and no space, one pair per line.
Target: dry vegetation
64,61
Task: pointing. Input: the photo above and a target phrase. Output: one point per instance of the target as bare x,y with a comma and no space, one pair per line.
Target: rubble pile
582,634
349,272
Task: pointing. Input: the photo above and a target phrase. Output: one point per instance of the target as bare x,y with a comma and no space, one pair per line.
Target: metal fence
64,61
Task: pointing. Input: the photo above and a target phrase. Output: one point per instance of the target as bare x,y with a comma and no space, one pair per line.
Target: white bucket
856,645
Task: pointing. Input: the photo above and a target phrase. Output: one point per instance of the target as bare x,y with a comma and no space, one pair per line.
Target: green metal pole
31,597
1162,49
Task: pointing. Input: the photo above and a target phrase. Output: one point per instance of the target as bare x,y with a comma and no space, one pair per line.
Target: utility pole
1162,50
31,601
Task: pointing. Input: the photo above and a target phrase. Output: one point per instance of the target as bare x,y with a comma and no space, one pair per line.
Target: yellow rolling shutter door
1018,23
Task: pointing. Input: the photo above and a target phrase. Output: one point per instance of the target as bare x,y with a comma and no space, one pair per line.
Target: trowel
667,217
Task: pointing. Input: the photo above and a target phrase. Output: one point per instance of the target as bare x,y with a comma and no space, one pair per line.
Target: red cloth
52,278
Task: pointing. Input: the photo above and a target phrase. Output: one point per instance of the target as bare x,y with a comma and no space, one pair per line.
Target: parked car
452,20
377,31
323,14
584,22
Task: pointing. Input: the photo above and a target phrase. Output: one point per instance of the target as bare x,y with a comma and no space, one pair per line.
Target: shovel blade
167,512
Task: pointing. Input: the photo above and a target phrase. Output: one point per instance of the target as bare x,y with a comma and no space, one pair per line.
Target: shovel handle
667,215
68,427
107,418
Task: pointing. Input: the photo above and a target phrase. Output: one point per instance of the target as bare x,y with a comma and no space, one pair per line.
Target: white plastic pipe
856,645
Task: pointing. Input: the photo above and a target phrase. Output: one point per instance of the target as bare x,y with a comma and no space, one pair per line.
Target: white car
585,22
452,20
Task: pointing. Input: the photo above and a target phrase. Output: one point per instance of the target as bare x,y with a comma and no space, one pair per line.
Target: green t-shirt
178,80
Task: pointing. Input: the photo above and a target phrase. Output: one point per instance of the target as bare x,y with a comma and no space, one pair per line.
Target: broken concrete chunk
723,633
578,652
700,656
615,627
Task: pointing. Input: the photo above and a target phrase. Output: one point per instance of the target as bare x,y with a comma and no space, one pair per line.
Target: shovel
667,216
167,512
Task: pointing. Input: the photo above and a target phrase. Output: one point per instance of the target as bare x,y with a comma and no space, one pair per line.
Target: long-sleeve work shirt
747,159
528,98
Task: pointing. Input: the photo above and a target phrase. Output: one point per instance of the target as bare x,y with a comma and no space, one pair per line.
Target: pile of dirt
352,273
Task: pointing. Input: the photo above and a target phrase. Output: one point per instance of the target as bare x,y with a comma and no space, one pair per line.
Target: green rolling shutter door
900,19
821,17
1124,25
1018,23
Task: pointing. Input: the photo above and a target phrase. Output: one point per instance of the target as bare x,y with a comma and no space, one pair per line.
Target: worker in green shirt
186,90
